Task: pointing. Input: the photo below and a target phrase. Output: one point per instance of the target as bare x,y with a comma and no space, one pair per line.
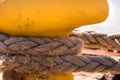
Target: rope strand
94,39
51,55
45,64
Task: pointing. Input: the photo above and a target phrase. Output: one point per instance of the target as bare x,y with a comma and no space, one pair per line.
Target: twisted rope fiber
39,46
53,64
46,55
94,39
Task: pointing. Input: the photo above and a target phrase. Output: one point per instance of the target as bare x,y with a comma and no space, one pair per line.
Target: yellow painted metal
56,76
56,18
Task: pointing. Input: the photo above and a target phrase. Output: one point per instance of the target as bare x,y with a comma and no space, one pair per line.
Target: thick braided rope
53,64
94,39
45,55
39,46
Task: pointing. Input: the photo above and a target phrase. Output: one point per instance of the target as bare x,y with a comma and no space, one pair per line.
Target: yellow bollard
57,76
12,75
55,18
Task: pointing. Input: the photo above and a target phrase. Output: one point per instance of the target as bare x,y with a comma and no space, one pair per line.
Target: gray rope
39,46
51,55
53,64
94,39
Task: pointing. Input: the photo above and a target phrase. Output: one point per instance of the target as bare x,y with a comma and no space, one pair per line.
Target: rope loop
51,55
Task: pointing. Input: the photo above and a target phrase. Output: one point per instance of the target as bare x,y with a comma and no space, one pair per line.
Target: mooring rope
54,64
49,55
40,46
94,39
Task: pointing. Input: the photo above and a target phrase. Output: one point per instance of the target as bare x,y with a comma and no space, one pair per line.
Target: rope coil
51,55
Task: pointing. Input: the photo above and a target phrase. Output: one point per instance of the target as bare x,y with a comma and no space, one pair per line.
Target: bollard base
12,75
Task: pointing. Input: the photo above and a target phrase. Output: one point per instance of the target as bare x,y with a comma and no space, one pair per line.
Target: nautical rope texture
53,64
47,55
94,39
39,46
